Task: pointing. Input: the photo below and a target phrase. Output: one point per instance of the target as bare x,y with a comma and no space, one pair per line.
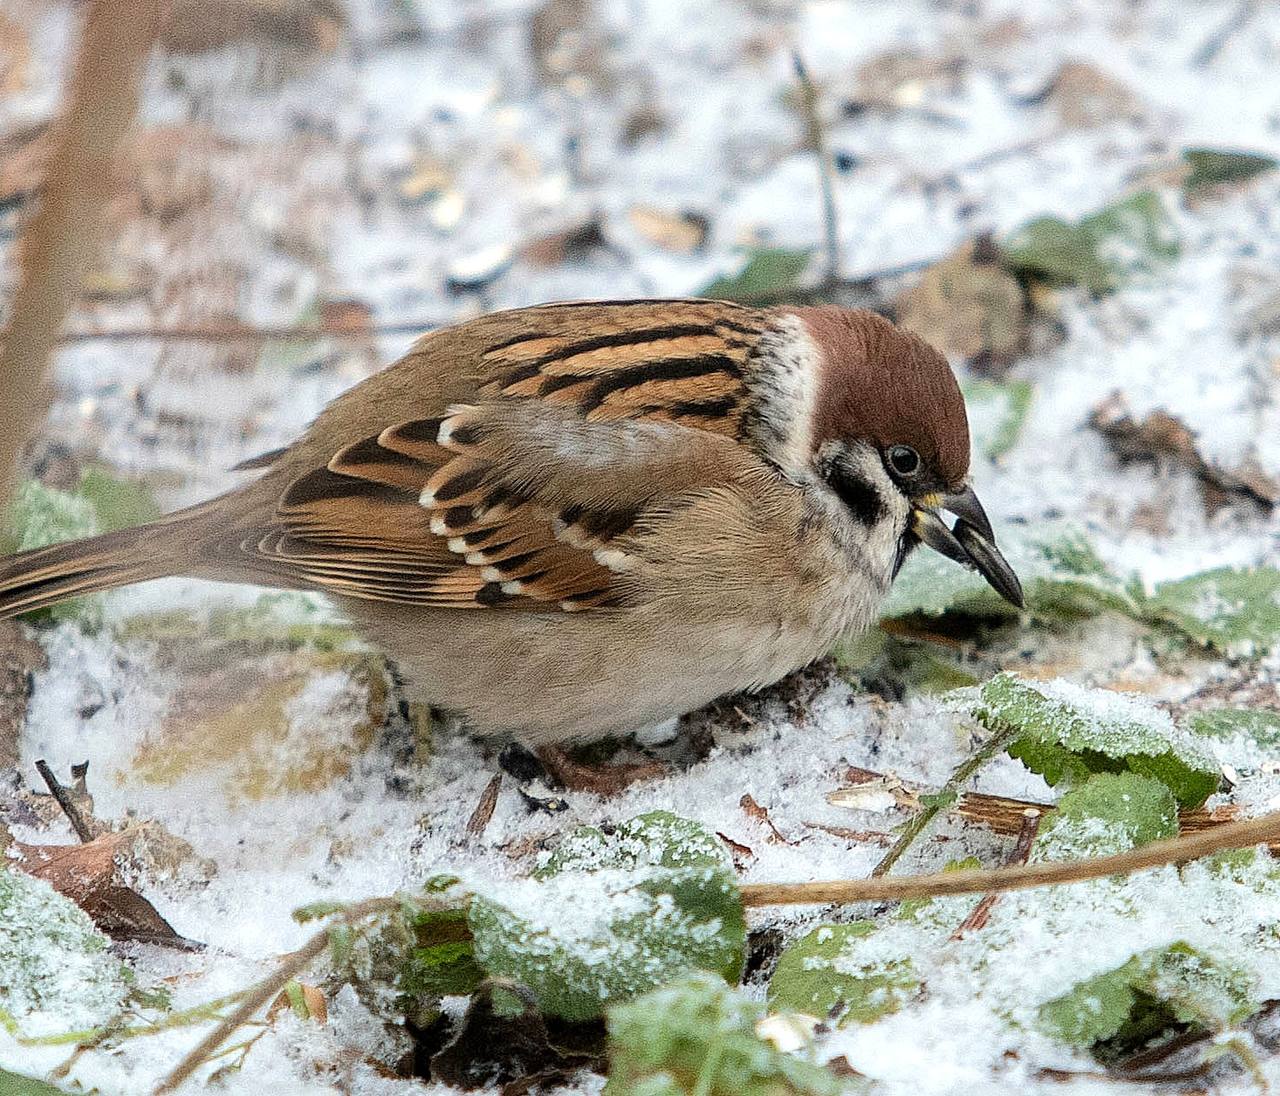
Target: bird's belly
558,677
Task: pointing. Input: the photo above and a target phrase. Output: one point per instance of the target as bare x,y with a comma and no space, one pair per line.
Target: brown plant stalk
60,241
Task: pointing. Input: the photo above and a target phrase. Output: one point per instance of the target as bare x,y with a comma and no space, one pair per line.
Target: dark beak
970,543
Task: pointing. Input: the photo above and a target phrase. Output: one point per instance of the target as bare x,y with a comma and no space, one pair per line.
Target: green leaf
1260,727
594,938
656,839
1130,1004
1061,575
615,914
1069,732
770,273
442,960
1110,813
1100,251
1210,166
119,503
52,959
997,413
823,975
12,1084
698,1036
1235,611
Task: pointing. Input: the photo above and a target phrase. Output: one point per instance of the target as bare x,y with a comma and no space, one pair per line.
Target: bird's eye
904,460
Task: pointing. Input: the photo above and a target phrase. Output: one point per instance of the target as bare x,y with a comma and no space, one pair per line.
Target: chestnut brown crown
887,386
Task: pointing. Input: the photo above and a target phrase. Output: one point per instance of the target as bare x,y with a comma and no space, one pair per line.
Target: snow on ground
308,162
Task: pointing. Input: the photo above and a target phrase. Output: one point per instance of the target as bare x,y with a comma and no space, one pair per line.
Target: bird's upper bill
970,542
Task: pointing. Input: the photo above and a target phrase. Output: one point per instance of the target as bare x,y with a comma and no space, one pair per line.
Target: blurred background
1077,200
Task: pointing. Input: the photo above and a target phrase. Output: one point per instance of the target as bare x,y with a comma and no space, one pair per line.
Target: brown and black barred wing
524,496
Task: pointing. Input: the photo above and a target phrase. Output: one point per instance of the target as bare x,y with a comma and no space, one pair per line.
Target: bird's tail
42,577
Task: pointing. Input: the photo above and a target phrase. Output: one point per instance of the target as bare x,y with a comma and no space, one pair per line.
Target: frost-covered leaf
997,412
1100,251
1235,611
823,975
656,839
616,915
1109,813
1122,1009
698,1036
1260,727
54,965
769,273
1069,731
1210,166
1062,577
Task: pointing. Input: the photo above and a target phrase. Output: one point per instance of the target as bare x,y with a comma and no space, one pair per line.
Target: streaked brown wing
522,498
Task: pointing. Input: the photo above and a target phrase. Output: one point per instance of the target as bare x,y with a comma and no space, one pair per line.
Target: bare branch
61,239
1232,835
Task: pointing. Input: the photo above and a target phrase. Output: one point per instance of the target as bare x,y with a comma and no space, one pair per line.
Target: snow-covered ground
397,165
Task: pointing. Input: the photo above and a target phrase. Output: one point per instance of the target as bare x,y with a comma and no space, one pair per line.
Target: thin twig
265,991
817,141
1213,45
945,797
1233,835
980,913
61,239
68,805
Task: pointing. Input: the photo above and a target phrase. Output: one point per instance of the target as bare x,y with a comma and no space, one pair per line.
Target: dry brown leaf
1163,437
92,875
742,854
1084,96
566,245
194,26
970,306
683,231
761,815
312,999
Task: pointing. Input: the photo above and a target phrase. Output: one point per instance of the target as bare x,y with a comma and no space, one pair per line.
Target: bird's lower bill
970,542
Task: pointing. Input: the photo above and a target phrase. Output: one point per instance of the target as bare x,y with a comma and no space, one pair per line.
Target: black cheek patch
861,497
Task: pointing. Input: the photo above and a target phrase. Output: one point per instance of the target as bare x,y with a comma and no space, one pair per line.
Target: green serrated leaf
1261,727
1233,610
1100,251
1211,166
53,961
13,1084
1062,579
997,413
823,975
1109,813
1069,732
604,936
769,273
656,839
697,1036
1174,983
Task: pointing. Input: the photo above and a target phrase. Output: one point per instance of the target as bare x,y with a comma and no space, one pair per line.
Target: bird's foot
602,780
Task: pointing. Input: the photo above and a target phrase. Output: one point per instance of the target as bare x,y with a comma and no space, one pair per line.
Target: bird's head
887,425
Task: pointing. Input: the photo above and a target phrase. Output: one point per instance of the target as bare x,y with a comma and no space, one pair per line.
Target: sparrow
581,519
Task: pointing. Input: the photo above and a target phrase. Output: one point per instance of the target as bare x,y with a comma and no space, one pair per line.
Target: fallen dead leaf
313,1005
1162,436
93,876
761,815
683,232
1085,96
970,306
194,26
566,245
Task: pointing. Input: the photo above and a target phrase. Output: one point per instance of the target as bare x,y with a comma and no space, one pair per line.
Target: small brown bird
587,518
